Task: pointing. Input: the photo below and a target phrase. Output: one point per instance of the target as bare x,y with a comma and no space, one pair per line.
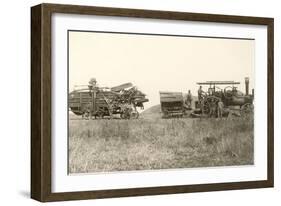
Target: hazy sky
158,63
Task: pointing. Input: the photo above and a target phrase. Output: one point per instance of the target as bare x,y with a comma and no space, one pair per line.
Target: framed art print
130,102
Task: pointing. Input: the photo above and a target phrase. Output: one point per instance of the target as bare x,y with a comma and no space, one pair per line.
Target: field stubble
145,144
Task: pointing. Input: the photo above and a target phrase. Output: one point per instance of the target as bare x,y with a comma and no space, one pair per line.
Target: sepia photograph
139,101
131,102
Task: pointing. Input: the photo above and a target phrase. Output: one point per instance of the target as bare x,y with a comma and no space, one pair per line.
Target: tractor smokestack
247,85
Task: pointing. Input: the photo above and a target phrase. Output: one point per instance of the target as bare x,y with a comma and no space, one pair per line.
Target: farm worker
213,108
211,90
220,108
189,99
93,82
200,94
234,91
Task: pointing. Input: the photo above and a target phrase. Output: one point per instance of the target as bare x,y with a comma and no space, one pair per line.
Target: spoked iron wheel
134,115
247,109
126,114
209,105
100,113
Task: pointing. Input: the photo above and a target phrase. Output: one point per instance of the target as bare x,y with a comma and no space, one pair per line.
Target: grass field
155,143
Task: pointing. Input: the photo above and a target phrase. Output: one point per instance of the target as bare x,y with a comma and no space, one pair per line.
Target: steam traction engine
230,96
99,102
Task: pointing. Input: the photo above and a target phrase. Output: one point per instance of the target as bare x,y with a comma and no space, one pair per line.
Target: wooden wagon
99,102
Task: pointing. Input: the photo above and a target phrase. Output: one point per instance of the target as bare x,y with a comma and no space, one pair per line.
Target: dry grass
144,144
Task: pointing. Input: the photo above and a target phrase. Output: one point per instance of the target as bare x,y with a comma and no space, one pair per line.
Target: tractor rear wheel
209,105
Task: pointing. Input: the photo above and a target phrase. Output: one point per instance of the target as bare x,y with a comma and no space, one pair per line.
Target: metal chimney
247,85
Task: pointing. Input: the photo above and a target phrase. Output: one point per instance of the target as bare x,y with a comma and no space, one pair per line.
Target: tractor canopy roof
212,83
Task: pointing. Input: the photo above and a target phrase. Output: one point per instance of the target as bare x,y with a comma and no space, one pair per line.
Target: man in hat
189,99
220,108
200,94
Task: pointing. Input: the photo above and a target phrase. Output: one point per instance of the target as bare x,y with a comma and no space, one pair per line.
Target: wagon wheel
134,115
86,111
247,109
86,115
208,104
125,114
228,92
100,113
